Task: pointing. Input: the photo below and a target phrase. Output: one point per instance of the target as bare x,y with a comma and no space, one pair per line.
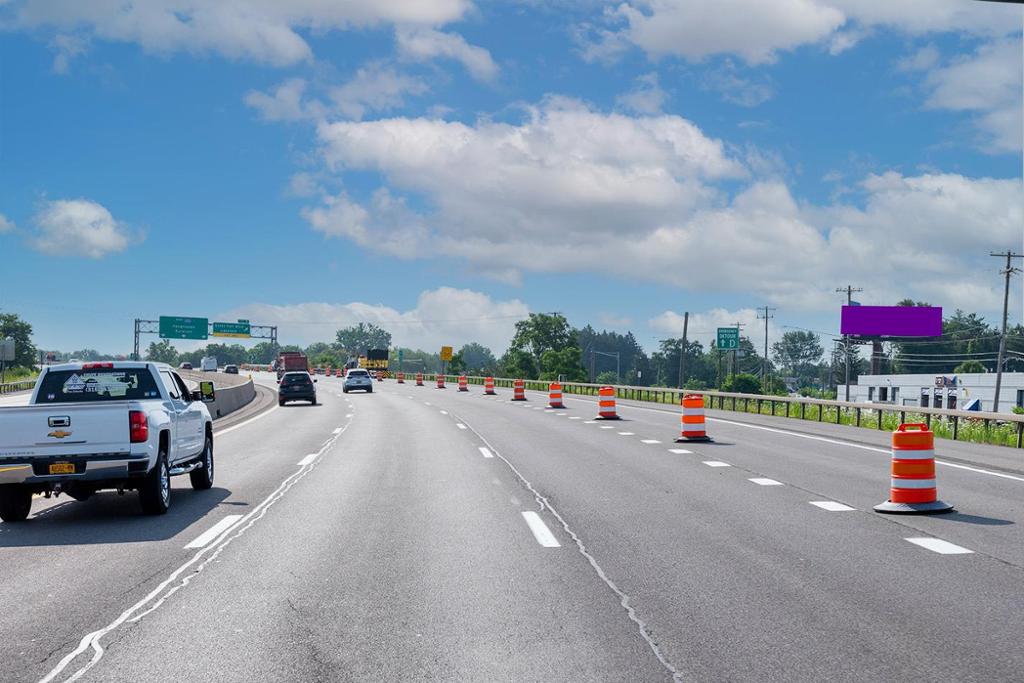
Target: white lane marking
764,481
627,433
649,441
978,470
338,430
426,403
607,427
540,530
213,532
575,417
444,412
348,414
679,451
221,432
308,459
716,463
937,545
590,422
133,613
831,506
486,452
460,425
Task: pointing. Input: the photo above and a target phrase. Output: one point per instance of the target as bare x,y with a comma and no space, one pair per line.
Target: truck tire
202,478
15,502
155,492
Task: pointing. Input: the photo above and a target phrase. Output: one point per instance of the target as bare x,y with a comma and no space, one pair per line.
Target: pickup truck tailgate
64,430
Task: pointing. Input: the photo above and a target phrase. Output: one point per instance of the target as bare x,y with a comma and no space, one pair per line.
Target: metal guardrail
781,406
12,387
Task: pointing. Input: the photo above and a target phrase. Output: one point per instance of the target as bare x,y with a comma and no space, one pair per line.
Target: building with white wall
964,391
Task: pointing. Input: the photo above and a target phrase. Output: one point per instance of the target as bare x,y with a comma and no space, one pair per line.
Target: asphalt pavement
424,534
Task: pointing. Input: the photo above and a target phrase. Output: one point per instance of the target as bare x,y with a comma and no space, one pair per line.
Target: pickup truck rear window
99,384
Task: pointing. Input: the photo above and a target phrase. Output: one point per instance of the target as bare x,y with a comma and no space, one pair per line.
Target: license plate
62,468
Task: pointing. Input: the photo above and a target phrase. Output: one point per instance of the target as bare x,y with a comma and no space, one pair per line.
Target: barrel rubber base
693,439
517,399
607,418
556,407
937,507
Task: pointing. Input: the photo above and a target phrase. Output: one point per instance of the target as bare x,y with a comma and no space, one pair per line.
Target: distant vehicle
230,369
296,386
185,366
208,364
111,425
291,361
357,379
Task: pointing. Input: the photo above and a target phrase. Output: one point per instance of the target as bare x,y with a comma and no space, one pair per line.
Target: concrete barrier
233,391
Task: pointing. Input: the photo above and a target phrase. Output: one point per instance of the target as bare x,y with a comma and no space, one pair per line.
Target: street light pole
1008,272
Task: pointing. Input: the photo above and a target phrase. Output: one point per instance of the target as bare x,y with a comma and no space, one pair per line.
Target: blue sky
442,168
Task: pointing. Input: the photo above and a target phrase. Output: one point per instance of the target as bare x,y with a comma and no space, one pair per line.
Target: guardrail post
903,417
839,412
956,426
858,416
821,412
803,410
1020,433
928,420
879,419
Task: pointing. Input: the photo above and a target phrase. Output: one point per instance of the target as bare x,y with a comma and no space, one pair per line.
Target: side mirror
207,393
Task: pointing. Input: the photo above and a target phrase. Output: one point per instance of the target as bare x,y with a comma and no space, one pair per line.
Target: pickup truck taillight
138,426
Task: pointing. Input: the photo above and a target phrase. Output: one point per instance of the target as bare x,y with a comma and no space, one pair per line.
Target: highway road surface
420,534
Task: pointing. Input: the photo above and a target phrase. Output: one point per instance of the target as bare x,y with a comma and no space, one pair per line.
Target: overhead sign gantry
182,327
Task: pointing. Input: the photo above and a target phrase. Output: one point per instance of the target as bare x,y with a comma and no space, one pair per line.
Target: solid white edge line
308,459
337,431
213,532
937,545
232,428
540,530
486,452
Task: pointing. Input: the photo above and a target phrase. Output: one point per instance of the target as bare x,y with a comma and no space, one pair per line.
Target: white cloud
987,83
757,31
646,97
732,87
78,227
6,224
66,47
388,226
375,87
442,316
285,103
703,325
267,31
422,44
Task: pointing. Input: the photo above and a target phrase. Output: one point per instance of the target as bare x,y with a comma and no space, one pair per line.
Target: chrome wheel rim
165,483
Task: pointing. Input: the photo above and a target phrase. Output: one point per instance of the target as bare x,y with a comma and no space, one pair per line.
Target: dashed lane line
540,530
213,532
460,425
486,452
627,433
937,545
831,506
716,463
764,481
649,441
679,451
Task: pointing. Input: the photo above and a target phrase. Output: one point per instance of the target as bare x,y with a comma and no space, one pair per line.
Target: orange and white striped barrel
440,381
463,386
489,386
913,488
606,404
419,379
692,419
519,390
400,378
555,395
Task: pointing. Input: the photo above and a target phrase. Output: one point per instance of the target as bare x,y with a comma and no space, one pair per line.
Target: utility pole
849,289
764,366
682,351
1008,272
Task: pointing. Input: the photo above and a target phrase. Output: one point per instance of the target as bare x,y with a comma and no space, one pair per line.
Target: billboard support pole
1008,272
849,289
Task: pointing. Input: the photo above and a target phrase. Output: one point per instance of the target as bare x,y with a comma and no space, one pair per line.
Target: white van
208,364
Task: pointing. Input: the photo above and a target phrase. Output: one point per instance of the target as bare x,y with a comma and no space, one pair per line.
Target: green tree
358,339
562,363
542,332
13,327
606,378
774,386
743,383
477,359
263,353
798,353
162,352
518,364
969,366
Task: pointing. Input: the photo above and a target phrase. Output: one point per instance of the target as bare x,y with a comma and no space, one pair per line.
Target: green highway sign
728,338
239,329
175,327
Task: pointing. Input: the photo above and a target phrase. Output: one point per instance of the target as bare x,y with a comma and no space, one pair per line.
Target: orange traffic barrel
440,381
519,390
400,378
489,386
462,383
419,379
555,395
693,419
606,404
913,489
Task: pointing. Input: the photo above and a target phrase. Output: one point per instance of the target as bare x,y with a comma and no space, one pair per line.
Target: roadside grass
20,374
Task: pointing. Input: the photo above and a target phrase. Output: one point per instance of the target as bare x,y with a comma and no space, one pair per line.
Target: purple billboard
892,321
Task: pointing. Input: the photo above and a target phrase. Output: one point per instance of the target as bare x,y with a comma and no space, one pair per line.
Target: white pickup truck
114,425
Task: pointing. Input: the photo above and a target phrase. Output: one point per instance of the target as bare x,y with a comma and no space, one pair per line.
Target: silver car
358,378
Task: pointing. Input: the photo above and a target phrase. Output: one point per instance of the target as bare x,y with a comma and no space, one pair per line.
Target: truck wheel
155,492
202,478
15,502
280,402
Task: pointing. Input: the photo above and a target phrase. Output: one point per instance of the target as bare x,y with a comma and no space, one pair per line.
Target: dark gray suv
296,386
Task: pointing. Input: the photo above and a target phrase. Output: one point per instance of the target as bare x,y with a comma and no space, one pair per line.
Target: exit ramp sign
176,327
239,329
728,338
